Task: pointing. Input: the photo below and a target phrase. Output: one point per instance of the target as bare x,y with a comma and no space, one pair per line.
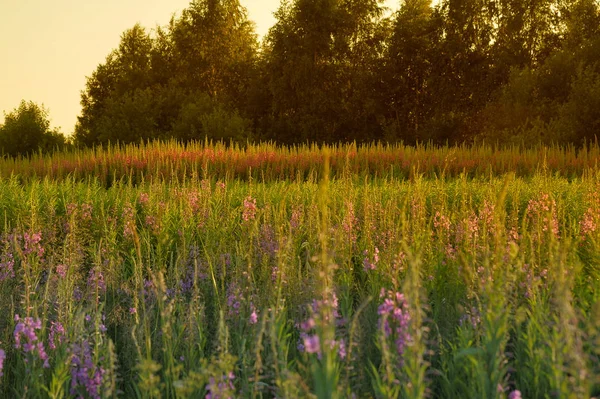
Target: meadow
213,271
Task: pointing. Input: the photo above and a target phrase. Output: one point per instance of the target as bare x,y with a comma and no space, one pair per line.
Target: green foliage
186,82
26,130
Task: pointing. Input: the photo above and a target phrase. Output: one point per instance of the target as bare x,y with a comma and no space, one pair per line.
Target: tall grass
210,282
270,162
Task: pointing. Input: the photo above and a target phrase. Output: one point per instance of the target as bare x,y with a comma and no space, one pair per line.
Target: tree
27,129
319,57
213,49
408,68
146,83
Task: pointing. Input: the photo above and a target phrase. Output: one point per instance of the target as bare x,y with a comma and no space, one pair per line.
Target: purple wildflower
369,264
84,373
61,270
312,343
253,317
394,320
56,330
234,298
32,244
7,263
2,357
342,349
26,330
516,394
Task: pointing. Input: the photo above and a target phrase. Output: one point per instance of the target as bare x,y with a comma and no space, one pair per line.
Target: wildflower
253,317
367,263
267,242
350,223
2,357
151,223
394,320
441,224
234,299
132,310
249,212
543,212
61,270
84,373
308,324
342,349
7,263
56,329
143,198
25,330
86,212
312,343
128,222
516,394
297,212
32,244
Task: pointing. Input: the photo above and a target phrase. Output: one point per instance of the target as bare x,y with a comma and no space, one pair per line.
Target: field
163,271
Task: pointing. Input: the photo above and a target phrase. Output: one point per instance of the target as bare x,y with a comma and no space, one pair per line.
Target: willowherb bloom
61,270
86,212
96,282
589,222
394,320
542,211
342,349
151,223
234,299
516,394
442,225
371,264
84,373
57,330
311,343
297,212
2,358
321,311
253,317
31,244
249,212
267,242
143,198
26,338
350,223
128,222
486,215
7,264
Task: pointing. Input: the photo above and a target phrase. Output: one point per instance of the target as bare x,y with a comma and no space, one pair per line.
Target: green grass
258,288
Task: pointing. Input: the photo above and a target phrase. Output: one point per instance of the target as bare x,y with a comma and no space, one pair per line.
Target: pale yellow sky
48,47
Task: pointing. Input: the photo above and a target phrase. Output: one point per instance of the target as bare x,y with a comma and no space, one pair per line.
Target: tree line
506,71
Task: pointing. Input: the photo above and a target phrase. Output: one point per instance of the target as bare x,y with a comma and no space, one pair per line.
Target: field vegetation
215,271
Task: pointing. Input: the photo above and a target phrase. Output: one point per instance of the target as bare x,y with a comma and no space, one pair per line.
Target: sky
47,48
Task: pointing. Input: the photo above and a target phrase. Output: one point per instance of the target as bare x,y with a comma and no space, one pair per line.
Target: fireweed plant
193,277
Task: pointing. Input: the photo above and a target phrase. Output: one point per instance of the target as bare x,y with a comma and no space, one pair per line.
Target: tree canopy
342,70
27,130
